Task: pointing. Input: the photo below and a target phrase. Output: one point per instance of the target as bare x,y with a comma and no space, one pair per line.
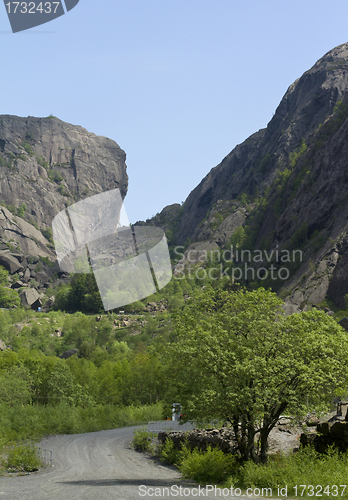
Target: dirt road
95,466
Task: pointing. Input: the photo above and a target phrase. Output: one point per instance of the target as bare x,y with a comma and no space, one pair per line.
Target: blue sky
177,84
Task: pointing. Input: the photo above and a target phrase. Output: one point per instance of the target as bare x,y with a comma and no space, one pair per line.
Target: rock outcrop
45,166
286,186
19,237
333,432
252,166
48,164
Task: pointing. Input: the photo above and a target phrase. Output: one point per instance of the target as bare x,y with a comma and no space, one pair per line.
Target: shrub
55,176
23,458
42,162
307,467
141,440
169,453
211,466
48,234
28,148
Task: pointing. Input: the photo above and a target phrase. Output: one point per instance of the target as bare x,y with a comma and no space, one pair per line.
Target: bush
211,466
141,440
307,467
28,148
169,453
23,458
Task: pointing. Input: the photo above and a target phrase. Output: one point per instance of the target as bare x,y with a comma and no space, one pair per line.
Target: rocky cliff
286,187
49,164
46,165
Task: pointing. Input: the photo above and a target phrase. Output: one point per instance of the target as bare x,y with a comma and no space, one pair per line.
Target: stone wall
202,438
328,434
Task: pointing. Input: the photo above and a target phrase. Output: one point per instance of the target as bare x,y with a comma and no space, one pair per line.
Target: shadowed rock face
47,164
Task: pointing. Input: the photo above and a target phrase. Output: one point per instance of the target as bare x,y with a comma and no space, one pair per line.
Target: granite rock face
48,164
286,186
23,236
253,165
45,166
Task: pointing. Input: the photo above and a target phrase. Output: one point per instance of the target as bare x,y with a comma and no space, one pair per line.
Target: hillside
283,189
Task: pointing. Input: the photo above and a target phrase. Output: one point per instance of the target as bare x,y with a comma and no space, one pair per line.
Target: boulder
29,297
26,275
68,354
48,305
313,421
17,284
10,263
42,278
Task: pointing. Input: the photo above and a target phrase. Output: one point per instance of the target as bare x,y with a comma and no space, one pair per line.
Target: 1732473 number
32,7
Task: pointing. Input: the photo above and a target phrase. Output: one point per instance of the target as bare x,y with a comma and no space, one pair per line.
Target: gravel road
96,466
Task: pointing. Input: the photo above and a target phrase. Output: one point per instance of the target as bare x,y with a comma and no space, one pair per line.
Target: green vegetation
23,458
239,359
334,124
299,237
4,163
211,466
29,135
42,162
18,211
28,148
218,219
8,298
295,155
141,440
306,467
61,190
33,223
55,176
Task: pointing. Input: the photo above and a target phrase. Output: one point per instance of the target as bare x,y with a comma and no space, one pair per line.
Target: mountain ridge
286,187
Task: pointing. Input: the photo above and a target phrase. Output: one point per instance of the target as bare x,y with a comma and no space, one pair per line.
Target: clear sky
177,84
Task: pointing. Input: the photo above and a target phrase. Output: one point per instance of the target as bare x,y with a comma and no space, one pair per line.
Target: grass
32,422
323,474
307,467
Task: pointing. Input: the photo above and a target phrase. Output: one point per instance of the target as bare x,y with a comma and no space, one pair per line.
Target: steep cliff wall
287,187
46,165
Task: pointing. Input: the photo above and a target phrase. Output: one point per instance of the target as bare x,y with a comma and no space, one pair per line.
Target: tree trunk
264,433
245,434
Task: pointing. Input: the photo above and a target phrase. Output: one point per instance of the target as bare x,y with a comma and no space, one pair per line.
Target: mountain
45,166
284,188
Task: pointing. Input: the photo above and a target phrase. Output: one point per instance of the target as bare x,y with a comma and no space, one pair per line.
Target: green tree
8,298
15,386
239,358
82,295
